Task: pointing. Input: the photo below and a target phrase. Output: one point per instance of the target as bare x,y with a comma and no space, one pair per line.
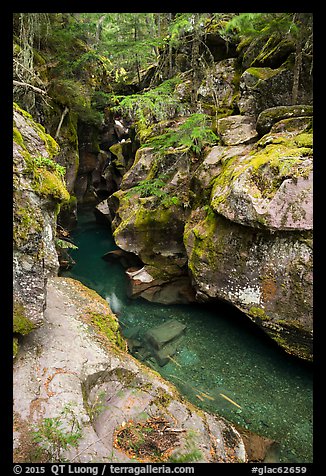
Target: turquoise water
220,353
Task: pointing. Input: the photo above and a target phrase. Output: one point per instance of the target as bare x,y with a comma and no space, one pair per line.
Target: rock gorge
224,217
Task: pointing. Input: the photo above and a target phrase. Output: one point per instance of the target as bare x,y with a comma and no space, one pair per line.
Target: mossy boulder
140,170
151,231
149,213
264,87
270,116
260,52
220,86
270,187
235,130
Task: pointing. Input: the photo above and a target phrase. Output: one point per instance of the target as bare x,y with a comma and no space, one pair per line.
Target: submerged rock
163,341
167,332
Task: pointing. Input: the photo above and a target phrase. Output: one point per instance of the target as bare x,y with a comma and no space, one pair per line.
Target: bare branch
29,86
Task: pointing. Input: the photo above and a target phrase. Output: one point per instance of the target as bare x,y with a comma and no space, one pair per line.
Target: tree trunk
297,70
99,27
195,66
170,52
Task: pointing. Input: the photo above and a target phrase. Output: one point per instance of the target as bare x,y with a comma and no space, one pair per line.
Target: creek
222,354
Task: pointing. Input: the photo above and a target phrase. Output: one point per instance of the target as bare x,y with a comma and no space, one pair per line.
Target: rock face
253,245
242,225
104,390
39,190
234,130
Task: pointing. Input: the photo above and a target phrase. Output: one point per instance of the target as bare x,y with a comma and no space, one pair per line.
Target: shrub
55,435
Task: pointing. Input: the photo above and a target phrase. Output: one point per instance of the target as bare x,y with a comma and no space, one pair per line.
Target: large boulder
270,187
235,130
271,116
218,90
267,276
148,220
264,87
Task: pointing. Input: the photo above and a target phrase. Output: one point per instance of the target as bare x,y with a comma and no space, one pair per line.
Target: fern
194,134
149,188
154,105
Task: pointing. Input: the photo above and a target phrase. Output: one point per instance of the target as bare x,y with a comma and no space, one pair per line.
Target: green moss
108,325
283,157
15,346
258,312
48,184
18,138
144,131
46,175
21,111
205,248
117,149
162,399
21,323
262,73
147,217
51,145
304,140
27,221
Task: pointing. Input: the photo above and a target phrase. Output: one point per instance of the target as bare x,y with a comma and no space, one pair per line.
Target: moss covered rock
264,87
235,130
270,187
220,87
270,116
39,190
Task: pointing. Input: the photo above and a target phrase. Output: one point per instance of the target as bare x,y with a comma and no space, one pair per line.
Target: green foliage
192,453
77,97
91,59
260,24
155,188
149,188
55,435
194,134
184,23
63,244
156,104
50,165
